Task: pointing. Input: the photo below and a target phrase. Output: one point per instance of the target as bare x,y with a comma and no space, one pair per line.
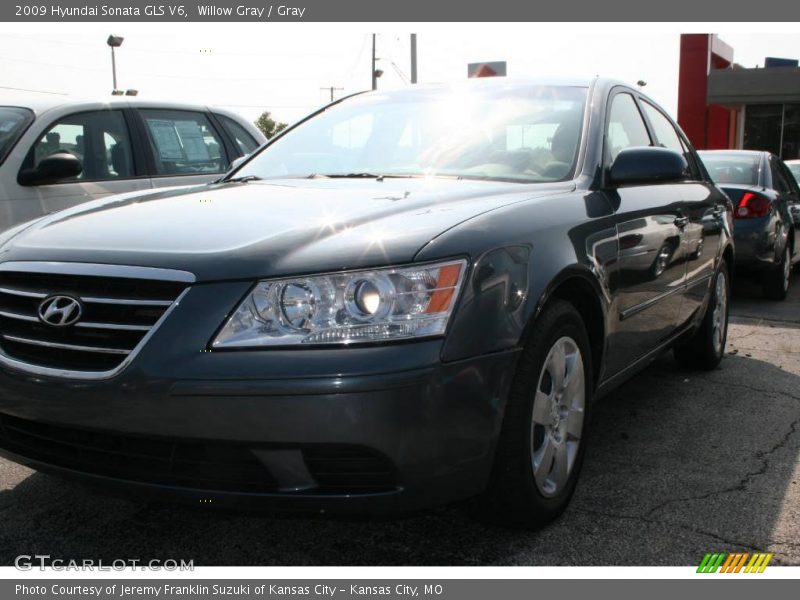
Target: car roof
600,85
42,105
477,83
735,152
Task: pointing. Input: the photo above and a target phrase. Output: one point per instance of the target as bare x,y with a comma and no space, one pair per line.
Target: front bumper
367,429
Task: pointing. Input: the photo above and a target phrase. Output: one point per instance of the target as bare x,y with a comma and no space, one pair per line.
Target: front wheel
542,440
705,348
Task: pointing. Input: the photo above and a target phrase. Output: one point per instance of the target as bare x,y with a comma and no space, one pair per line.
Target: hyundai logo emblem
60,311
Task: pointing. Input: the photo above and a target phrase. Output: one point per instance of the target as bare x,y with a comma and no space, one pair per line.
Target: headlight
346,308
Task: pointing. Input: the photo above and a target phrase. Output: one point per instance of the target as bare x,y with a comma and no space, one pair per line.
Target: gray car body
434,407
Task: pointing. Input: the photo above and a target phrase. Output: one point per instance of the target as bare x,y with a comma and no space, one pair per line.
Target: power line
49,64
357,61
399,72
187,52
204,76
18,89
262,105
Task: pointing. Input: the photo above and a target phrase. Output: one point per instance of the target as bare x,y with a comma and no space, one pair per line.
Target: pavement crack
646,519
741,336
739,385
744,482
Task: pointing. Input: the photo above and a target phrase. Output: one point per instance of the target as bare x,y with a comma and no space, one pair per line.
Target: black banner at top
399,11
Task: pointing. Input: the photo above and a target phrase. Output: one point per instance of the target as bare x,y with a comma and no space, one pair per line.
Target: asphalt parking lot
680,463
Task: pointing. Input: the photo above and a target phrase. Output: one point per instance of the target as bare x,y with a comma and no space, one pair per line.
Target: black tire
513,498
703,350
776,280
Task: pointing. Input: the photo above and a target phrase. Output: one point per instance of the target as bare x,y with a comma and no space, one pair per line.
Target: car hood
266,228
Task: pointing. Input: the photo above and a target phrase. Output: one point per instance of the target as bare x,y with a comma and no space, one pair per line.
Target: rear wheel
541,445
776,281
705,348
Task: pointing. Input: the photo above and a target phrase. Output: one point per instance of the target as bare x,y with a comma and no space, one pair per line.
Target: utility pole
374,71
332,90
413,58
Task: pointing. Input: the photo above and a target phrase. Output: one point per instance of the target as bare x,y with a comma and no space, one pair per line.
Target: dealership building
723,105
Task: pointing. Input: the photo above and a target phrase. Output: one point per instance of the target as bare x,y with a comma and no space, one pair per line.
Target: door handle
681,222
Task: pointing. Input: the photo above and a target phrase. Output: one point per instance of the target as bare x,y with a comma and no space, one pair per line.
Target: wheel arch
582,289
729,256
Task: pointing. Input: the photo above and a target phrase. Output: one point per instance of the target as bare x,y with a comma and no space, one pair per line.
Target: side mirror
52,169
647,165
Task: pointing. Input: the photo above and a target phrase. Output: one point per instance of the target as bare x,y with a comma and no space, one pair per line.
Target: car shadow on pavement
679,463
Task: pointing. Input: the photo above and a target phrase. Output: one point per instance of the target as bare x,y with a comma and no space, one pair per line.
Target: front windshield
13,121
515,133
732,168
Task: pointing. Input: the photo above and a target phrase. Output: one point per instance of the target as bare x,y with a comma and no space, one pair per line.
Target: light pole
374,72
413,58
114,41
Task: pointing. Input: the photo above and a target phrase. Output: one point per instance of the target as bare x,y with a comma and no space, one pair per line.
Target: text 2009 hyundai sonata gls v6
409,298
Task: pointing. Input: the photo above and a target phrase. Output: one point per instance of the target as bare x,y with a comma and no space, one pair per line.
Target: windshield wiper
363,175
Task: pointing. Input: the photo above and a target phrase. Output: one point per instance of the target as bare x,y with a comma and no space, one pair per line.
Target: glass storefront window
790,149
774,128
762,127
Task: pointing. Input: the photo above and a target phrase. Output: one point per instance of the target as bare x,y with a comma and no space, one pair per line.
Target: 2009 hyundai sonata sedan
407,299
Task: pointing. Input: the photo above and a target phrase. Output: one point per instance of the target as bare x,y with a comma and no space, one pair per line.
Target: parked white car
56,155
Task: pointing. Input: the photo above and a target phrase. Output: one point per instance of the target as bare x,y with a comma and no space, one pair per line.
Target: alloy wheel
558,414
787,268
719,317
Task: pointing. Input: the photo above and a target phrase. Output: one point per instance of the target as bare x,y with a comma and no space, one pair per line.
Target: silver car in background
58,154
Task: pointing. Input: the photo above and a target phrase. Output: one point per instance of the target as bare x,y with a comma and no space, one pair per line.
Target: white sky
251,67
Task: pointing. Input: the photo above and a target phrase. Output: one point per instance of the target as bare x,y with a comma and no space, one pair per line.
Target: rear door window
184,143
245,142
100,139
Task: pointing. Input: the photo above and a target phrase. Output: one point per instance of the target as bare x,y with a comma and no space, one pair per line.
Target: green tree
269,126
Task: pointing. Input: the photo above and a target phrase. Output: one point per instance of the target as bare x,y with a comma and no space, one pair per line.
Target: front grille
117,312
349,469
223,466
